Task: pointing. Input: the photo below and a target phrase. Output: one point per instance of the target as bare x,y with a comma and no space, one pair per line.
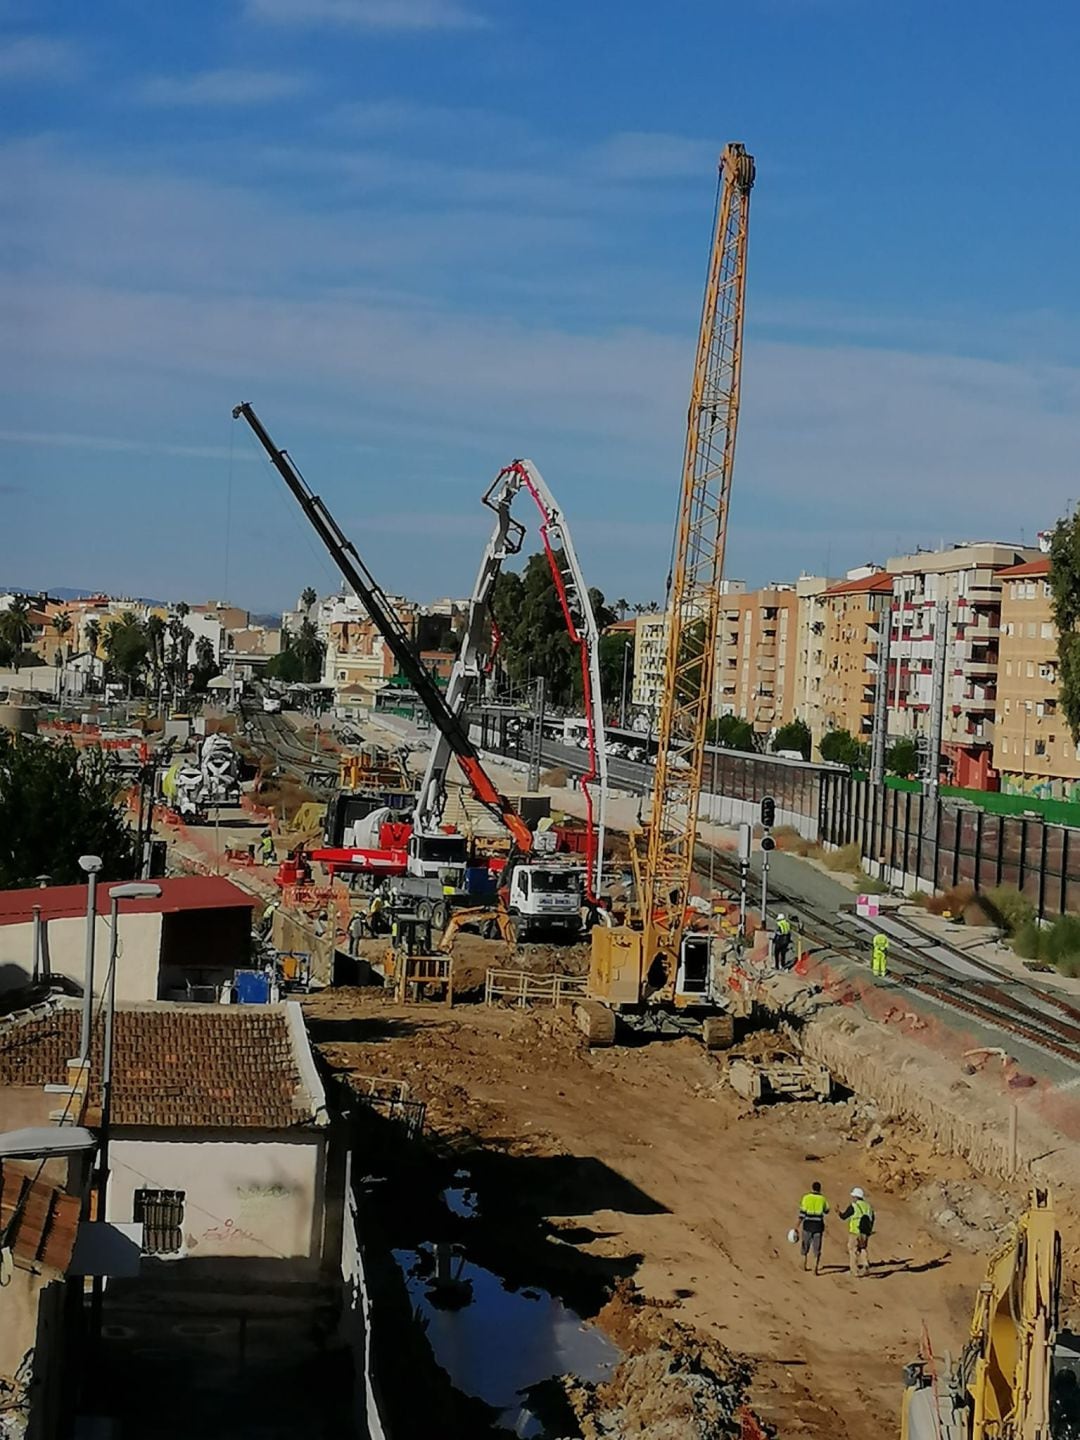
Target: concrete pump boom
506,539
345,557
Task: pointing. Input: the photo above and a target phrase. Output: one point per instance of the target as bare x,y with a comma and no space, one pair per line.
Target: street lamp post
91,864
134,891
625,666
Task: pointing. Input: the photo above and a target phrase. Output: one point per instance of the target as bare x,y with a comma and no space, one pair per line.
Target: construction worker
860,1223
267,853
357,926
781,941
376,921
879,960
813,1207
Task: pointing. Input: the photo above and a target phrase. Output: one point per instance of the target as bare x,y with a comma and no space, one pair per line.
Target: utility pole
625,665
932,763
537,737
881,699
91,865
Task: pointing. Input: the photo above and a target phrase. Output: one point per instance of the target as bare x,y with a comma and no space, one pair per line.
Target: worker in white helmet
860,1223
781,941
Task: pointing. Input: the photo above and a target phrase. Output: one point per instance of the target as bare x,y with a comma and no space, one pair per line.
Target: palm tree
15,631
308,598
621,607
92,631
127,646
61,623
155,635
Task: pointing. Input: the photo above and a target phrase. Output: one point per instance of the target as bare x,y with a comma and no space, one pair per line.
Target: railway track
967,986
274,733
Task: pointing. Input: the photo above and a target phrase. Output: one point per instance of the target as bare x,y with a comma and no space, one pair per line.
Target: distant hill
67,592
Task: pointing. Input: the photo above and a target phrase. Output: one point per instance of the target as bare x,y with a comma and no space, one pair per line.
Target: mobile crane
538,892
655,972
1003,1387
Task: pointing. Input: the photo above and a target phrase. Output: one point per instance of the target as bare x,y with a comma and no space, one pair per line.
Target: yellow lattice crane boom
653,966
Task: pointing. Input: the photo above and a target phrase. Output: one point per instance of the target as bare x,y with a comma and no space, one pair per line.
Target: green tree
285,666
732,732
57,803
841,747
308,597
902,757
15,631
301,656
793,736
615,651
61,624
92,631
621,607
127,647
1065,600
206,666
535,642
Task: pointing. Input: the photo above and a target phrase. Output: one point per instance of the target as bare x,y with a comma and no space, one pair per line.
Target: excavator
537,889
655,972
1004,1386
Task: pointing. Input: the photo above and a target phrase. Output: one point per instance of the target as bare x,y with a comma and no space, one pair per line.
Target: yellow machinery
1001,1389
654,971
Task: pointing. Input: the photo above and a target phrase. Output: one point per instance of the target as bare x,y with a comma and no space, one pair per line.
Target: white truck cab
545,897
431,856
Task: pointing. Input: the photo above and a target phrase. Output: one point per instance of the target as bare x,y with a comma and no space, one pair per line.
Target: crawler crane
654,972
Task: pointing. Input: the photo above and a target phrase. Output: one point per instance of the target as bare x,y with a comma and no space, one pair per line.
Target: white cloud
38,57
222,87
385,15
651,155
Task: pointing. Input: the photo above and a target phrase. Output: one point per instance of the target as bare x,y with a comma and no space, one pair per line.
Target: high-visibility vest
881,942
859,1208
813,1204
784,927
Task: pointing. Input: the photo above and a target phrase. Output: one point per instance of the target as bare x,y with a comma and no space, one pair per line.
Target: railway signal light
768,812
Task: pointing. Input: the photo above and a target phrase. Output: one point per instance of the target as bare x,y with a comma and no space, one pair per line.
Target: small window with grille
162,1215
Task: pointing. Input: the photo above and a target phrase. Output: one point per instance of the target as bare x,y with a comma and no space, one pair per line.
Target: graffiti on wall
1034,787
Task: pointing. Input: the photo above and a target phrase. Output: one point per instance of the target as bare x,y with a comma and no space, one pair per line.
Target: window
1031,669
1046,630
1040,747
1007,706
161,1213
1031,629
1008,667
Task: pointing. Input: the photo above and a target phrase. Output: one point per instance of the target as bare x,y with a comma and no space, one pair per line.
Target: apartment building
810,627
756,657
1034,752
650,657
358,659
967,578
854,611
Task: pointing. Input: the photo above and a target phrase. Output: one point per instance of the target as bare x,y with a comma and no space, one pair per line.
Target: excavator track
596,1022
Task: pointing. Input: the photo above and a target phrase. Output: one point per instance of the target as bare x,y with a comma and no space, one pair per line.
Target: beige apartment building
854,611
1034,752
810,627
756,657
968,579
650,656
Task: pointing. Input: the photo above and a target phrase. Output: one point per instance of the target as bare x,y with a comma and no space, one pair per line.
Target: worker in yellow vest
860,1223
879,959
813,1207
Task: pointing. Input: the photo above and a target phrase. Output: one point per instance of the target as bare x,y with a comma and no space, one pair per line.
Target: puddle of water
502,1341
460,1200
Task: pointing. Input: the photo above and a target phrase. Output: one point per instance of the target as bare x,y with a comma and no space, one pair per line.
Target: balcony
980,665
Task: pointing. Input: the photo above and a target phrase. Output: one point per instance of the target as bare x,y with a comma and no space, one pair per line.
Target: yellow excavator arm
1001,1388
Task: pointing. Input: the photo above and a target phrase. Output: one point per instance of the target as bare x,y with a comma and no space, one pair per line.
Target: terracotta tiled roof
880,583
175,1066
37,1220
182,892
1029,567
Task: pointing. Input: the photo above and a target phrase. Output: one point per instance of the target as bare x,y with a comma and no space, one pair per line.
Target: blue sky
424,237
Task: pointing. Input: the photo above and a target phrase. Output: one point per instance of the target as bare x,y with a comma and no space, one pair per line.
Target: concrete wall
137,965
259,1198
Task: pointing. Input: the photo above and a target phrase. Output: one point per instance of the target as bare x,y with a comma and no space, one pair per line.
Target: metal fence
515,987
907,838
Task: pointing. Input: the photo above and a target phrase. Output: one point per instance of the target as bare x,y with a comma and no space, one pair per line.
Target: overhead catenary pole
932,763
879,739
91,865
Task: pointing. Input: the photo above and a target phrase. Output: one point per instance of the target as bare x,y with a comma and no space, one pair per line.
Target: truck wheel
718,1032
424,909
596,1022
440,915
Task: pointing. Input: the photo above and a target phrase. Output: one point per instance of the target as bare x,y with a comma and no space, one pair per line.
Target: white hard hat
857,1194
792,1236
780,915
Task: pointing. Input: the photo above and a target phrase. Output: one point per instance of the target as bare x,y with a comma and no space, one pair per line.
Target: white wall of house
259,1197
137,965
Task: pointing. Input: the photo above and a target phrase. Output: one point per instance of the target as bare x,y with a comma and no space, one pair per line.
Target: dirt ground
657,1185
